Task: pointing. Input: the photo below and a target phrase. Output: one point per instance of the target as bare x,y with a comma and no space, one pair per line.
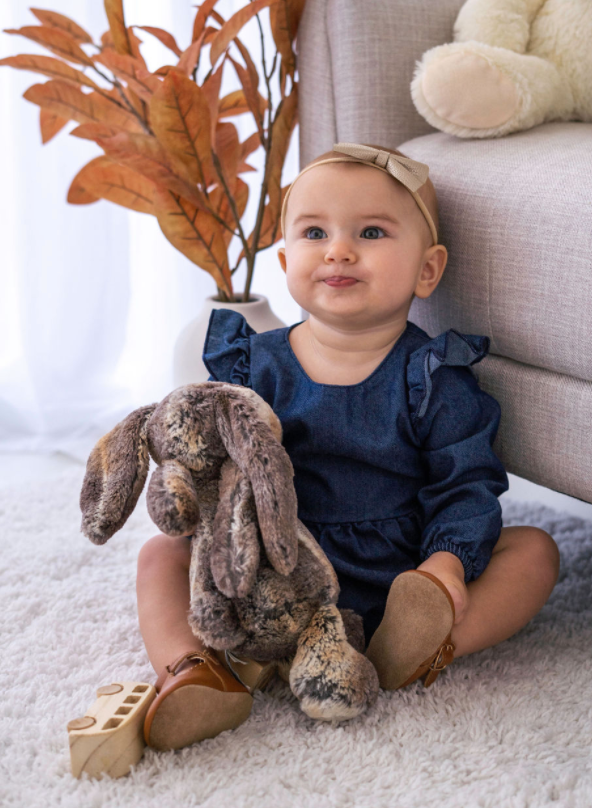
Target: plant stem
259,220
126,103
260,212
232,203
269,101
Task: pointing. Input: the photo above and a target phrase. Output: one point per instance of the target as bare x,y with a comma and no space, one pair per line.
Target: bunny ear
115,475
261,457
234,559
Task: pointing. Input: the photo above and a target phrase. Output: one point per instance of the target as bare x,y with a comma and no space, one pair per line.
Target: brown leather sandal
198,702
413,640
251,673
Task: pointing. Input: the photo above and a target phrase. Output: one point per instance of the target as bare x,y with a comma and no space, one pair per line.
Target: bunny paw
332,681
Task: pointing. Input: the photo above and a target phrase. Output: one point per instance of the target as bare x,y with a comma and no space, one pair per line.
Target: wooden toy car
109,738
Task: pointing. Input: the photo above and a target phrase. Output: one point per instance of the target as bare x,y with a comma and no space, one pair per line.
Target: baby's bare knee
543,553
551,550
163,551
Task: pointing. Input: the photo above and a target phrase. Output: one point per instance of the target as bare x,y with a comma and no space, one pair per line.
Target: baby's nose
340,249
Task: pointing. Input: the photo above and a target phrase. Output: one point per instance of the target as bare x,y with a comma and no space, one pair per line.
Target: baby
390,437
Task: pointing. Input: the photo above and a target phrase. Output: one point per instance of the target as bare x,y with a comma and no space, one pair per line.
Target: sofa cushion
516,218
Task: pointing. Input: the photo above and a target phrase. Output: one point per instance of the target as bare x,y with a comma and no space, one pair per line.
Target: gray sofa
515,216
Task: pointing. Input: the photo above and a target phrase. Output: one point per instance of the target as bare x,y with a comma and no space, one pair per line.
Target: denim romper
386,471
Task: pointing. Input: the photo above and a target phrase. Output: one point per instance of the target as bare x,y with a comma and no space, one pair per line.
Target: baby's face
350,220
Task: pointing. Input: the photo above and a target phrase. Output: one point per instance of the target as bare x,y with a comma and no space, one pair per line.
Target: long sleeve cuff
455,549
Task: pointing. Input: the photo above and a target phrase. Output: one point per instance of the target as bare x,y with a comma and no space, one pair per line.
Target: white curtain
93,297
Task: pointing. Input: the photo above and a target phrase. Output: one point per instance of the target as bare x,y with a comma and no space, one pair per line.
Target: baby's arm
462,513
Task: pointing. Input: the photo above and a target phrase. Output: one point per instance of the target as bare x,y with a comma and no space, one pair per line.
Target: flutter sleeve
227,347
455,423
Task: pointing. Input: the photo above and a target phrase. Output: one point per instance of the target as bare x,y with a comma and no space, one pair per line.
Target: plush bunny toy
223,474
513,64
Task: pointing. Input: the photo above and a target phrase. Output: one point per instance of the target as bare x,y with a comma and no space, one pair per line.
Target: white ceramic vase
188,367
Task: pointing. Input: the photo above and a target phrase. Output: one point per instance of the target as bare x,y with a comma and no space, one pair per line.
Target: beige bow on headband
410,173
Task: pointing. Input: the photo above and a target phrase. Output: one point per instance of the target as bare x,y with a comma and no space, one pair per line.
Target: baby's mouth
339,281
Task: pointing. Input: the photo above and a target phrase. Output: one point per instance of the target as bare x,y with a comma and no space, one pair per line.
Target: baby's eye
373,231
311,230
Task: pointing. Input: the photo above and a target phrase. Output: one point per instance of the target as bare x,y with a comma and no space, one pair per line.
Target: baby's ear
432,270
282,257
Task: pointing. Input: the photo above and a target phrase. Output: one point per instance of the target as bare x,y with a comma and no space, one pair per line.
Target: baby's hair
427,192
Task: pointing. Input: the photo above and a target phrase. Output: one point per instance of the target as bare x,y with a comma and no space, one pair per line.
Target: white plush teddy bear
513,64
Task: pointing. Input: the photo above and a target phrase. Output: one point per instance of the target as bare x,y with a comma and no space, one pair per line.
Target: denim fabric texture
386,471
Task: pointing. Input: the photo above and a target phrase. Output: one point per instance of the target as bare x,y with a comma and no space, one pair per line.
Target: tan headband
409,172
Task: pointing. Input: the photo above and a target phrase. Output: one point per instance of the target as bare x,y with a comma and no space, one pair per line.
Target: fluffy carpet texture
509,726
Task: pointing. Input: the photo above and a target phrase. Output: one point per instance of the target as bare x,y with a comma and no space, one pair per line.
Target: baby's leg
513,588
204,700
162,588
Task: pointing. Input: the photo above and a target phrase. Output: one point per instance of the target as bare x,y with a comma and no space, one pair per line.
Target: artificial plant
169,149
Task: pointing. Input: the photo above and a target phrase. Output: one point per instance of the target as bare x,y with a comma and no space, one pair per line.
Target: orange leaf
283,126
220,203
270,229
104,179
180,118
132,71
125,43
164,70
202,15
48,66
280,29
56,40
241,196
190,56
283,76
250,145
251,94
209,34
54,20
218,17
120,34
251,69
78,194
146,76
293,16
284,18
92,131
112,111
145,155
243,167
231,28
135,43
71,103
50,124
108,43
234,103
211,90
168,40
228,152
196,234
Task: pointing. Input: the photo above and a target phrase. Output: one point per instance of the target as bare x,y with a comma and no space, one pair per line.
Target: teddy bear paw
466,90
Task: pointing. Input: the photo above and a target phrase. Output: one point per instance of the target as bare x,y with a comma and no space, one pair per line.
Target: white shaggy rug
509,726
